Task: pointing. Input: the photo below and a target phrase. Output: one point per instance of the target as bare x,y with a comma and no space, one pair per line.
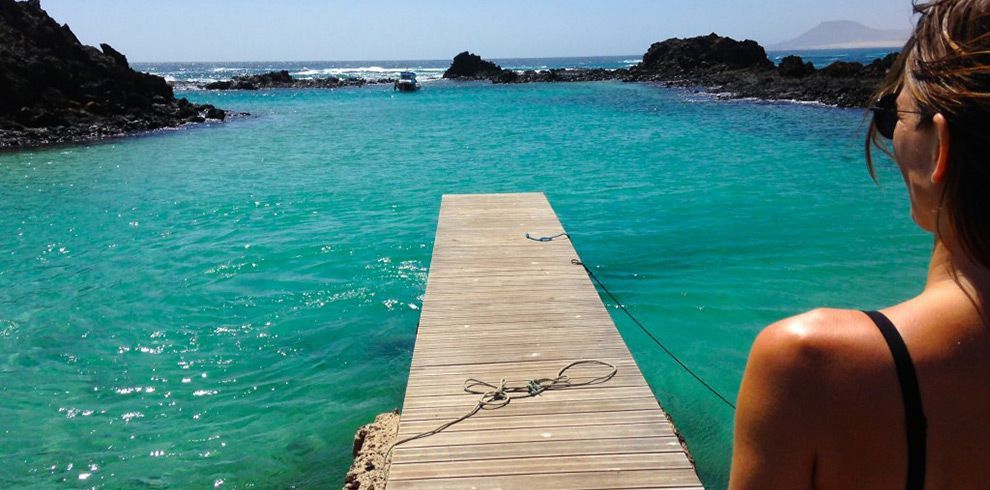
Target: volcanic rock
57,90
560,75
471,67
703,53
794,66
282,79
737,69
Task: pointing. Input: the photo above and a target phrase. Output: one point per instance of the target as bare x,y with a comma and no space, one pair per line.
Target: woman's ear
942,154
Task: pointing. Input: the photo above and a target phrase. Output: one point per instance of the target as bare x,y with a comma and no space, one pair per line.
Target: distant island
844,34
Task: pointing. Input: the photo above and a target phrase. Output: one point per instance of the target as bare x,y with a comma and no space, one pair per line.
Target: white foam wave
632,62
370,72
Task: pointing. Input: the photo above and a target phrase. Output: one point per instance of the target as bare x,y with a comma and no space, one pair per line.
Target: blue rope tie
546,238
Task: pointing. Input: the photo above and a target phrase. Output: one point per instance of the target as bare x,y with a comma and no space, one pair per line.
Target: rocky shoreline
282,79
56,90
741,69
718,65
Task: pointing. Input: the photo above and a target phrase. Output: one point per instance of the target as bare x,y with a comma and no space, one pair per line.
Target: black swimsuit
914,414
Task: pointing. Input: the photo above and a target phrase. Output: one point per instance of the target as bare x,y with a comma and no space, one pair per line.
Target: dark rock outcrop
469,66
740,69
721,65
53,89
282,79
560,75
711,53
795,67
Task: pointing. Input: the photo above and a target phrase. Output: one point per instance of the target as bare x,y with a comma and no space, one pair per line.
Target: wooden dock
500,306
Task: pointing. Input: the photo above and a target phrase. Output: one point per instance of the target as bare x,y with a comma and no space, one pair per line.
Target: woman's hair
947,60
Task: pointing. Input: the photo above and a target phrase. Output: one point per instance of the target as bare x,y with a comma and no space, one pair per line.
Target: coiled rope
495,396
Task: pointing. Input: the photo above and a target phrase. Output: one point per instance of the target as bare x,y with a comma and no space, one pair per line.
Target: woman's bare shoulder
841,349
798,369
801,370
818,336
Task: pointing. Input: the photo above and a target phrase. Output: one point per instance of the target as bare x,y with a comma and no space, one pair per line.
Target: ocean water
224,305
824,57
185,75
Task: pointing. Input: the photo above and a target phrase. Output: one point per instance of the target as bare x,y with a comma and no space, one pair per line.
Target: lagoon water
224,305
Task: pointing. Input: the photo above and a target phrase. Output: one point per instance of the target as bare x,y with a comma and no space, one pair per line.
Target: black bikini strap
914,414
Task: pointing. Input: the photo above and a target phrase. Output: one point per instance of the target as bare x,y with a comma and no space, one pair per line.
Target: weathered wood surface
500,306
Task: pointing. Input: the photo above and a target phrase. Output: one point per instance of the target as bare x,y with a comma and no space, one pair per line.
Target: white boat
407,82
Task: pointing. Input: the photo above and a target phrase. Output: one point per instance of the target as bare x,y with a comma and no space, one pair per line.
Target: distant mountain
844,34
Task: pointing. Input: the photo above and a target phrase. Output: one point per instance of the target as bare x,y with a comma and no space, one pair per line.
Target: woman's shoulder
819,331
821,343
802,371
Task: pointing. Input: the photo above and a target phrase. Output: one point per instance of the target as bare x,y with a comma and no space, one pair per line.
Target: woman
900,398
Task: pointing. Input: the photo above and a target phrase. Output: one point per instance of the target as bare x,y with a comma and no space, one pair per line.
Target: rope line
547,238
495,396
650,334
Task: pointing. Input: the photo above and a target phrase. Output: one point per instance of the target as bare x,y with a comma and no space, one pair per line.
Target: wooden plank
537,464
442,414
499,306
530,449
568,397
480,422
533,434
533,364
591,480
446,386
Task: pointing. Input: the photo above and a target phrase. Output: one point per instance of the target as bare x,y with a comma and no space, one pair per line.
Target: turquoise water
225,305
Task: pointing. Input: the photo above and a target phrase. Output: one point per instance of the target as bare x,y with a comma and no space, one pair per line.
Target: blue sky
282,30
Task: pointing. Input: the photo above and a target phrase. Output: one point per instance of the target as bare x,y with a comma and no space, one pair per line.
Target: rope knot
534,387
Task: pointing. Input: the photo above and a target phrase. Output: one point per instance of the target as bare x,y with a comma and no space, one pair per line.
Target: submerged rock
57,90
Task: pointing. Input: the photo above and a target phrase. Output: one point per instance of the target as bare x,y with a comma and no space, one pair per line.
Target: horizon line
398,59
495,58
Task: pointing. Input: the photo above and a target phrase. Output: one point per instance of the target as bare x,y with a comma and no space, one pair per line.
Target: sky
330,30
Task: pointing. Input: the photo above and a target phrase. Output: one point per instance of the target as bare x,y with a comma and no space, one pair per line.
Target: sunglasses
885,114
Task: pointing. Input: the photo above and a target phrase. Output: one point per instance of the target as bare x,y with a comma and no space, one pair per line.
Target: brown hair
947,60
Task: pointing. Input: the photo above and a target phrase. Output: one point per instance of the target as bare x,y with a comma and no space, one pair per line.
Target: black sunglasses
885,114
